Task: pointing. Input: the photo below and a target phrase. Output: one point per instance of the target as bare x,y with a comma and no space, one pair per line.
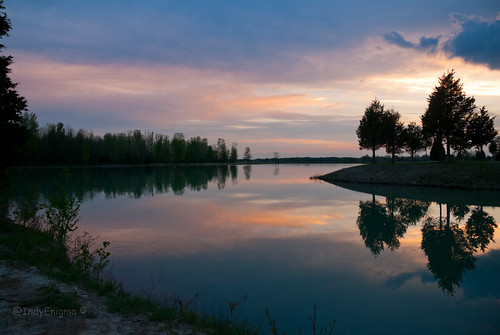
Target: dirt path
21,312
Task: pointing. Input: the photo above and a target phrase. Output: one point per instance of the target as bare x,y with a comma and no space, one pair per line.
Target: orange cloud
304,141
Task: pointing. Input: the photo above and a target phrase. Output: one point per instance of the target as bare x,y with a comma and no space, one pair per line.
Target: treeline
312,160
56,144
451,119
135,181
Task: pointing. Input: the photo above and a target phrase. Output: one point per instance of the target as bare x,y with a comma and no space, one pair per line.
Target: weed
325,331
51,296
62,213
328,331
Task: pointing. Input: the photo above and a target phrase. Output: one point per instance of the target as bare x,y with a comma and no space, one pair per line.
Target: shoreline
449,175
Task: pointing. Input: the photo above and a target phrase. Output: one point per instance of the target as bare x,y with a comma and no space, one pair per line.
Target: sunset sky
289,76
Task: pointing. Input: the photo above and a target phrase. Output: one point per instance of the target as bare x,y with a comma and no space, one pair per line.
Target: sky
287,76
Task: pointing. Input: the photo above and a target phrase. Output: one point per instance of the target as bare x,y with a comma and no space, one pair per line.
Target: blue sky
287,76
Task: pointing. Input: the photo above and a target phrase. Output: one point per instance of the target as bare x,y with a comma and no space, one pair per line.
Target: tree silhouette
437,150
480,228
481,129
233,156
370,131
410,211
380,225
393,133
413,139
448,111
448,251
247,155
12,105
372,216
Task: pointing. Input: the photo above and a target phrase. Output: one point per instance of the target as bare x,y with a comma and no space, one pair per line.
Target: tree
247,155
276,157
222,152
414,140
233,156
480,228
393,133
448,250
481,129
12,105
28,153
437,150
494,148
179,147
371,131
448,111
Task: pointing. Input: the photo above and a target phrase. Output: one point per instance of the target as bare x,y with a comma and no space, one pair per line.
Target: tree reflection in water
134,182
448,246
383,225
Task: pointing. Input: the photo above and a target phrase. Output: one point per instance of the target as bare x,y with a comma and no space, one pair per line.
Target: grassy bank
459,175
28,247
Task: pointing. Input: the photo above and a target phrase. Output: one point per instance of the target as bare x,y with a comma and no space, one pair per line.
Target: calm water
377,259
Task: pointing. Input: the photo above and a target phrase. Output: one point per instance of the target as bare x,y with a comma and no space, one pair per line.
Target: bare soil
22,312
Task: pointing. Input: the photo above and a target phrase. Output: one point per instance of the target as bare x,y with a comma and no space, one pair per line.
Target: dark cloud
478,41
223,34
428,44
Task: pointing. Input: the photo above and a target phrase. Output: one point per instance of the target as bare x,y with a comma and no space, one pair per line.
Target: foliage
381,128
413,139
233,156
12,105
247,155
480,229
448,251
393,133
494,148
451,116
62,212
481,129
56,144
437,150
448,111
370,131
27,210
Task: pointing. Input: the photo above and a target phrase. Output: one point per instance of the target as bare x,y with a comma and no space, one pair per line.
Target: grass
52,244
459,175
32,247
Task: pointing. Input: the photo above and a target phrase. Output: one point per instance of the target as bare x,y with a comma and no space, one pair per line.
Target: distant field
464,175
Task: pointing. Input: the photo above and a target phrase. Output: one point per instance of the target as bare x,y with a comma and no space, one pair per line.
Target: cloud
478,40
428,44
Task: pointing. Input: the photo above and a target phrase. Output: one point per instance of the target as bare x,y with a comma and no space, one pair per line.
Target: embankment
458,175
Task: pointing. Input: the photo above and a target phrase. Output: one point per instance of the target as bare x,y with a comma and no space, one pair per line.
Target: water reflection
449,246
382,225
288,243
134,182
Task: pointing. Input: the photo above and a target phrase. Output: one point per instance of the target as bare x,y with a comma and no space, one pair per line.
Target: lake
378,260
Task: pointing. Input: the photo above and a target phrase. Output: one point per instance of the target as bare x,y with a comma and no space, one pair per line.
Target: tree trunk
373,150
448,157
